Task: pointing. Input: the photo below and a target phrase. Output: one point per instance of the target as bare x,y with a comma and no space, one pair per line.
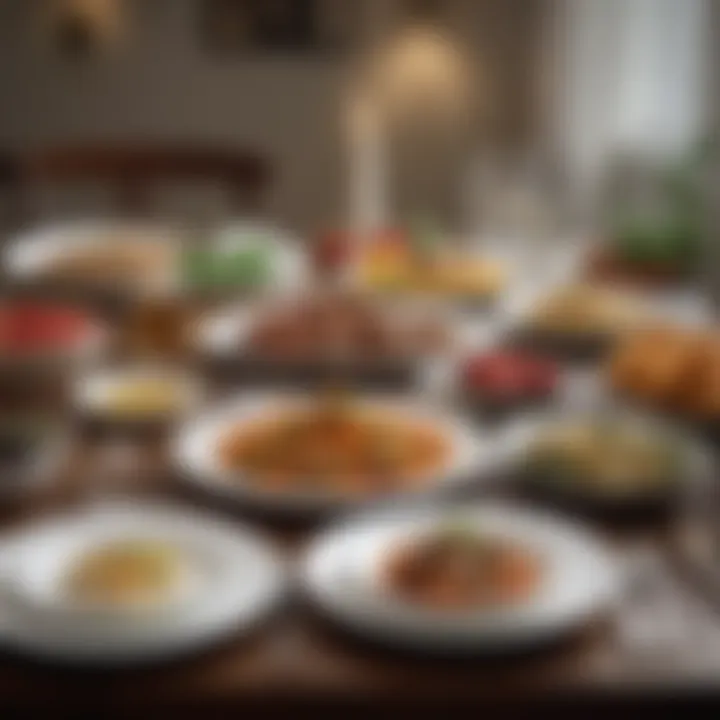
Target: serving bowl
682,463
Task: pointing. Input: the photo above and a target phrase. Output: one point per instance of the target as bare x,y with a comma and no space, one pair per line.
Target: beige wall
161,83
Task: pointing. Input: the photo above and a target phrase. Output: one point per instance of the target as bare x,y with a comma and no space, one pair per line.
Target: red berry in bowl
506,375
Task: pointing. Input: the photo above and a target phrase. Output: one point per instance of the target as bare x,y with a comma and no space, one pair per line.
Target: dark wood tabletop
663,639
661,642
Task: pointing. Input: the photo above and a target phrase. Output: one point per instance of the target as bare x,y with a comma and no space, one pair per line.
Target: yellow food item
132,572
116,257
144,397
444,274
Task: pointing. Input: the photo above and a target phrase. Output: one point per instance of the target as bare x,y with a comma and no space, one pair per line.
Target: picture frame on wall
277,27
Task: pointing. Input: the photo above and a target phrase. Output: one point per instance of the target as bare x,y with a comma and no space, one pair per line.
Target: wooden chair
133,172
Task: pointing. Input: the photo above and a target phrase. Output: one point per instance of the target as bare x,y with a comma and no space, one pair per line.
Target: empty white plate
342,570
230,580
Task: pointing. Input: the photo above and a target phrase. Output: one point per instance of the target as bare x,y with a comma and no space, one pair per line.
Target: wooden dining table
660,643
661,640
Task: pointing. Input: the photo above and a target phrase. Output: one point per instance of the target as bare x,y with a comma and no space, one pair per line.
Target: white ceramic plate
32,252
341,574
234,579
93,391
194,450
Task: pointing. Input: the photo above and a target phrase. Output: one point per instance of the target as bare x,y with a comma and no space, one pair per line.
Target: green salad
668,233
246,266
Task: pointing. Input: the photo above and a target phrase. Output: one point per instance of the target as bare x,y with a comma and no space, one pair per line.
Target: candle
367,191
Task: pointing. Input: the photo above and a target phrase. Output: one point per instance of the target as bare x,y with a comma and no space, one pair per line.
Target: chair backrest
133,172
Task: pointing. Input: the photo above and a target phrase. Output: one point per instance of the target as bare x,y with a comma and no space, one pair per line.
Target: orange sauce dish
461,570
336,447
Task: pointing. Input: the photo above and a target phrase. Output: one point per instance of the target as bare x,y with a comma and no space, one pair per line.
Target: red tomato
492,370
507,373
27,327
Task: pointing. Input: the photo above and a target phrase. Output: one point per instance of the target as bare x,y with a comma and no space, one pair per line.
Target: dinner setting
340,362
468,518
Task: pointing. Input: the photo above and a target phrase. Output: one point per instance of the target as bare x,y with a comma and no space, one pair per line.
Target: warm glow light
421,70
98,20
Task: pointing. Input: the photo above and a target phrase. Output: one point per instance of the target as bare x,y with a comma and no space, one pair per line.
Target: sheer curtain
628,76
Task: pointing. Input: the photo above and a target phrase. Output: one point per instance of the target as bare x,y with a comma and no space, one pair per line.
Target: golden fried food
672,368
702,380
651,364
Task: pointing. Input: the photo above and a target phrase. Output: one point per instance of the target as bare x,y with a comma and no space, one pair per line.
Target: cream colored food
587,309
115,258
131,573
144,397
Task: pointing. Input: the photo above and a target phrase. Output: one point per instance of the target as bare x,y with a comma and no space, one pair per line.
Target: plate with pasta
311,451
460,578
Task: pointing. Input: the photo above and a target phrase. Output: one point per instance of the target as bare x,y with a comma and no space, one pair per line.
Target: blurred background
372,111
431,129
